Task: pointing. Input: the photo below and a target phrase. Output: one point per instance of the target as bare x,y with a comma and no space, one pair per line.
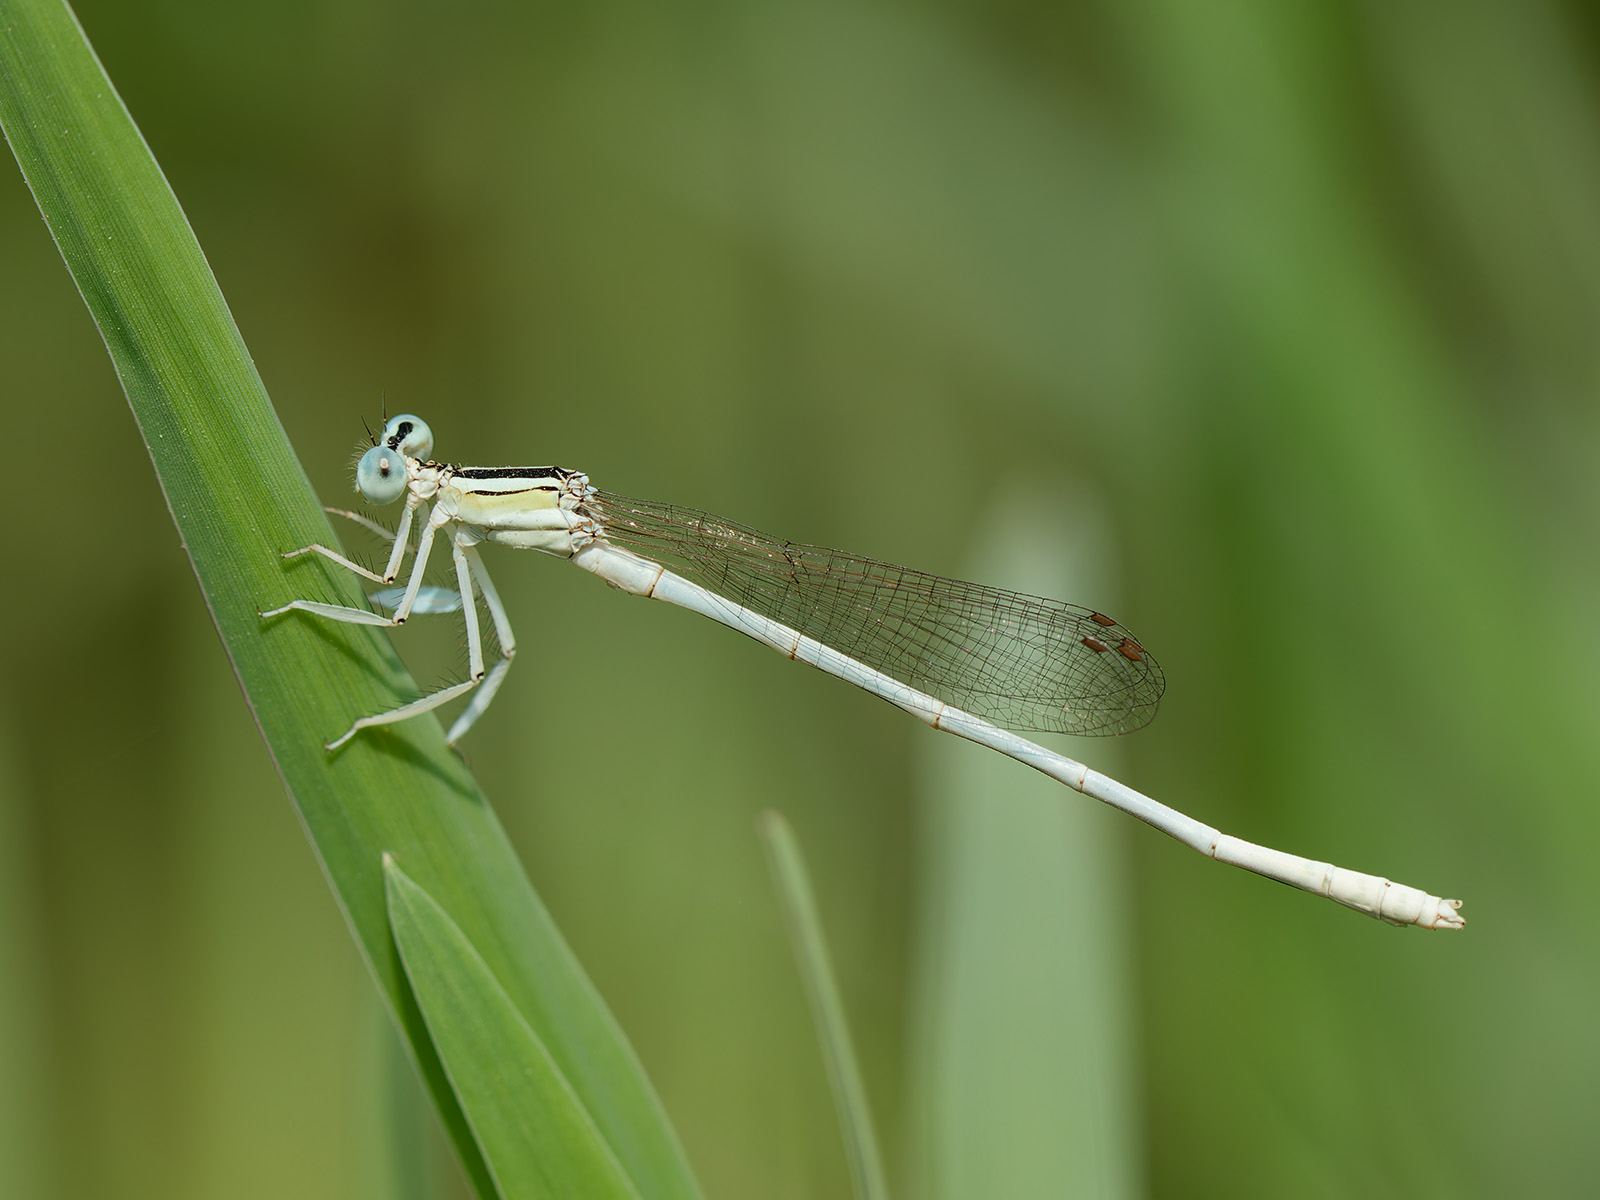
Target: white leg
405,712
362,520
474,646
497,610
360,616
429,600
402,534
508,648
469,612
424,548
398,537
316,548
480,701
334,612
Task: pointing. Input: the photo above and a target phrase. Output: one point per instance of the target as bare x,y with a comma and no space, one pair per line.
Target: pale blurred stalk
1024,1072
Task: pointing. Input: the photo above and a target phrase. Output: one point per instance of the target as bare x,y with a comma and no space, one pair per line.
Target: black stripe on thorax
529,473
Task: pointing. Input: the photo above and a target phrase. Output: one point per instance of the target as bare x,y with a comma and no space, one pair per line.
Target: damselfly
967,659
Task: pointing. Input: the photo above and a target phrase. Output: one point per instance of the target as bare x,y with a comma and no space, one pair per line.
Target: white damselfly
975,661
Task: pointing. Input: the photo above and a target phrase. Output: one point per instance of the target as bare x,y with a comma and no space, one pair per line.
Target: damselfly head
408,434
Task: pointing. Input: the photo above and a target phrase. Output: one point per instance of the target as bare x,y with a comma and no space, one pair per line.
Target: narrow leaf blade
827,1008
533,1131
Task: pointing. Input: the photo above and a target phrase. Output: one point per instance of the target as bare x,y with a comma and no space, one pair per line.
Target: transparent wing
429,600
1022,662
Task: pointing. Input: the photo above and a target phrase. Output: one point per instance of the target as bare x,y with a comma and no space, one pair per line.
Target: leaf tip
394,879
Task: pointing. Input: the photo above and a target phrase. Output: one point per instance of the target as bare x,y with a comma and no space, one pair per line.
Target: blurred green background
1302,302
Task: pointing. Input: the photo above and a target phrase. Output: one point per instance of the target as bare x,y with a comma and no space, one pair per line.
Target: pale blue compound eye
408,434
381,475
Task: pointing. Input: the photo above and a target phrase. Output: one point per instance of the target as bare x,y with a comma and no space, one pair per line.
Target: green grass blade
530,1126
238,497
811,953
